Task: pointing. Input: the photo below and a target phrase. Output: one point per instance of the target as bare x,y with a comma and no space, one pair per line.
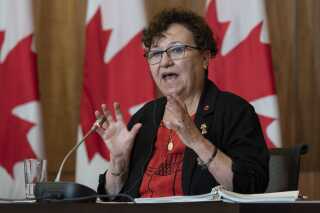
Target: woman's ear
206,58
145,49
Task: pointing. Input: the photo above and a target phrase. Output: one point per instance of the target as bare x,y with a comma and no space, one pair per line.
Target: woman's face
184,76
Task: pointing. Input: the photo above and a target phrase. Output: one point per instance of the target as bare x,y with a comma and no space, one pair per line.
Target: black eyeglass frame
185,46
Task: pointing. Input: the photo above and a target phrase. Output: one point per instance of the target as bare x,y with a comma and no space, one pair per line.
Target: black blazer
232,125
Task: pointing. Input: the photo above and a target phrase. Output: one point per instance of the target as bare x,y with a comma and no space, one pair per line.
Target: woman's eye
155,54
177,50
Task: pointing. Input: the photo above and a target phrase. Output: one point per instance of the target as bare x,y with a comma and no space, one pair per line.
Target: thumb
179,100
135,129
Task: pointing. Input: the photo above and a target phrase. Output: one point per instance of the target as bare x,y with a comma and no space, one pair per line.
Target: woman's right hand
115,134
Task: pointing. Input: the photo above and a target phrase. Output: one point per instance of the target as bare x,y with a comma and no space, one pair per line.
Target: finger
98,116
173,112
117,111
176,105
105,134
105,125
173,107
178,100
175,117
100,131
173,100
104,108
169,111
135,129
107,113
170,99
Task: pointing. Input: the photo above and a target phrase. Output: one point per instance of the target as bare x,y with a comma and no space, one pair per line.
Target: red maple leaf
18,86
246,70
250,76
113,81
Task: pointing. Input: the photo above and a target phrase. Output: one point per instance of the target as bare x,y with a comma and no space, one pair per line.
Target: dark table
200,207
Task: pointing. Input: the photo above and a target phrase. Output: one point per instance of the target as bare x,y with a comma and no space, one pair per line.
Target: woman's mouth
169,76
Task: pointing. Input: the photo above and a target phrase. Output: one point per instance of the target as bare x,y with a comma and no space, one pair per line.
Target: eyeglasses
174,52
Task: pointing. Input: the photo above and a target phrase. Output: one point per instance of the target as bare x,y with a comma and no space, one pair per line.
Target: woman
194,137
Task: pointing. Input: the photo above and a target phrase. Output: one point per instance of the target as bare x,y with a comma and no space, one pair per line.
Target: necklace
170,141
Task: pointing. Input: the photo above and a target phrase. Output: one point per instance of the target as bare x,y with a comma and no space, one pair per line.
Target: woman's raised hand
115,134
177,118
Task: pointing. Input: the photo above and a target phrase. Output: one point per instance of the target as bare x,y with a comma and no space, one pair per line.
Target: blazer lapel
144,148
150,132
203,121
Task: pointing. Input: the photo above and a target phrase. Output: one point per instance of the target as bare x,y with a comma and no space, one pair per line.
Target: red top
164,172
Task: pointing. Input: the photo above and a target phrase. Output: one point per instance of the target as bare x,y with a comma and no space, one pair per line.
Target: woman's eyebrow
171,44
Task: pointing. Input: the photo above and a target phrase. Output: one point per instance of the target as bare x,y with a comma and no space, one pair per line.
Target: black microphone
51,191
96,124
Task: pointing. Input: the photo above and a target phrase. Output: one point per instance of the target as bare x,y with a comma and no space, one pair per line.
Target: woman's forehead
176,33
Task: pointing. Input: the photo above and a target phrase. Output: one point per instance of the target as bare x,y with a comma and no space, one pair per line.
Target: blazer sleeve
244,142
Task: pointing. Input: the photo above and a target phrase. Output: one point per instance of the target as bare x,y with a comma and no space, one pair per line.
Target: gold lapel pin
203,128
206,108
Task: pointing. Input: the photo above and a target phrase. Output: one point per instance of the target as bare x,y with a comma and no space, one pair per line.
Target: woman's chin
172,91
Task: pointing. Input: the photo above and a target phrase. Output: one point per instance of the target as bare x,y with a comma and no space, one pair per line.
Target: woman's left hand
177,118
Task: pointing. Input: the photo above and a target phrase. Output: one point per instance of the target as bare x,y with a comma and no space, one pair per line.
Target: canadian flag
243,64
20,123
114,70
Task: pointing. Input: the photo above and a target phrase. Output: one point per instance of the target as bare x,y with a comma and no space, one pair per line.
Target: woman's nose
166,60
